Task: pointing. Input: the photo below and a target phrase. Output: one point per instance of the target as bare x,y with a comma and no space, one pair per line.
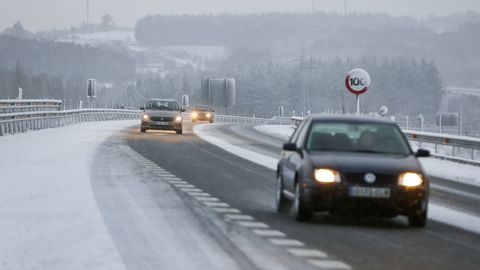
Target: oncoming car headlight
410,179
194,114
178,118
327,176
146,116
209,115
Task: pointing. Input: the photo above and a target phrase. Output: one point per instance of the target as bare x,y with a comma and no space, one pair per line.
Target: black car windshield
357,137
162,105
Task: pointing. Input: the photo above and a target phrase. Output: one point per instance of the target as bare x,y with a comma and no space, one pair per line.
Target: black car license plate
161,123
369,192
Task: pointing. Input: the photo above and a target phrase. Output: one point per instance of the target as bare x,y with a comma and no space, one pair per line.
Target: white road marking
207,199
199,194
216,204
286,242
226,210
329,264
253,224
173,178
239,217
304,252
184,185
274,233
177,182
191,190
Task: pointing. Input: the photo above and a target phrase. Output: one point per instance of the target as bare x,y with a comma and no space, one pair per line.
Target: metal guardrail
11,123
29,105
251,120
450,147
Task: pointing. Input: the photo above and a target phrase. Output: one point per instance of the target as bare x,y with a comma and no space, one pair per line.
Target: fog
47,14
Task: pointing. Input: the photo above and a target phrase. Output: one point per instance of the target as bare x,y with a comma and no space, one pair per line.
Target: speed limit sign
358,81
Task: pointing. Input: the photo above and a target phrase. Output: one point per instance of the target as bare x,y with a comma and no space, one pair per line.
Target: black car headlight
410,179
326,176
146,117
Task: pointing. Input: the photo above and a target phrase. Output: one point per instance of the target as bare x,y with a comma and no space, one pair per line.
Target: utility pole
88,15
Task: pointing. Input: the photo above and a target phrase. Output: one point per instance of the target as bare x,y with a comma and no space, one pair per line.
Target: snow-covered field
49,217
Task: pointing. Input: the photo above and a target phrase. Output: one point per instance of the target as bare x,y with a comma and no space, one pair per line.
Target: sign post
357,82
92,91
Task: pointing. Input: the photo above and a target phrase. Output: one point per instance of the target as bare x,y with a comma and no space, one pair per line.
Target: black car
203,113
162,114
351,165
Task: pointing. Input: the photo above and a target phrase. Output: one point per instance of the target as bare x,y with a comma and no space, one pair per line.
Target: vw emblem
370,178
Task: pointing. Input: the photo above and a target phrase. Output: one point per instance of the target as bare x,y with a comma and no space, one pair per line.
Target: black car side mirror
142,108
290,147
422,153
183,110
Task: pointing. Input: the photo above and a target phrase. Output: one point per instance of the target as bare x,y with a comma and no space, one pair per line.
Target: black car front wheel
180,131
143,130
300,210
418,216
281,203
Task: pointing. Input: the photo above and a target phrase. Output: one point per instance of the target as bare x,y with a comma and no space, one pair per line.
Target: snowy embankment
49,217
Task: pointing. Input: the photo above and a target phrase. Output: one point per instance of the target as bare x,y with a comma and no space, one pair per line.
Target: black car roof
351,118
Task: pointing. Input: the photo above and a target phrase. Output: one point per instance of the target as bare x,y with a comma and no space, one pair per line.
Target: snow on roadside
448,170
50,219
279,131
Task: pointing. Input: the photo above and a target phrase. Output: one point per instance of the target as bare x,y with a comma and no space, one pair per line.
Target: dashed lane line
294,247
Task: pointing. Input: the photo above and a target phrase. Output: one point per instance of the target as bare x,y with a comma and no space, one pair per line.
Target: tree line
406,86
283,35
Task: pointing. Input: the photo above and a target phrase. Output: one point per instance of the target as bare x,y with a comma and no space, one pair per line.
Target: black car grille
381,179
162,119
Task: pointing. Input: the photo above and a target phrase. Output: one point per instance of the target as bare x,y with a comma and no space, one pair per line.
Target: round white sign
358,81
383,110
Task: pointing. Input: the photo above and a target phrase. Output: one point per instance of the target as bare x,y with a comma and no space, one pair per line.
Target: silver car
162,114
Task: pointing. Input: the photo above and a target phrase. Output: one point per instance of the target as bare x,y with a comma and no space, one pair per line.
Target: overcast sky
47,14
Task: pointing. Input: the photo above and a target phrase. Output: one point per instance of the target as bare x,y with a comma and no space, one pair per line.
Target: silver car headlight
146,116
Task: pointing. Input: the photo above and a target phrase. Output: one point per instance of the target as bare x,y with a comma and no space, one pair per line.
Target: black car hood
365,162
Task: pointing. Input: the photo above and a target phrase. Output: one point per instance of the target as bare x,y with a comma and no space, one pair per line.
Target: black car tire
180,131
143,130
418,217
211,121
281,202
300,210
